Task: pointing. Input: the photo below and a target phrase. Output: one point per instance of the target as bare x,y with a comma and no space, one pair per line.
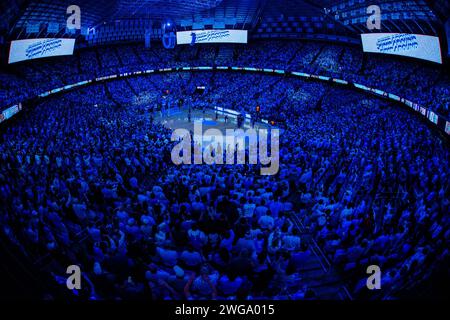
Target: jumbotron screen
29,49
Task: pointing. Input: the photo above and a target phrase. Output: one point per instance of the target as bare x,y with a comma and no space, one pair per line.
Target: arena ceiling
418,16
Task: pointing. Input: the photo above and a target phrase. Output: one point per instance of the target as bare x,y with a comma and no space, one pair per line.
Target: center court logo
212,147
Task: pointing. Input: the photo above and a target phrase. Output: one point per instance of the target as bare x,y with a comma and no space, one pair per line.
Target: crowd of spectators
86,178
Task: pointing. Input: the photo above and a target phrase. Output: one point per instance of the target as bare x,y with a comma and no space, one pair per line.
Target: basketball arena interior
117,181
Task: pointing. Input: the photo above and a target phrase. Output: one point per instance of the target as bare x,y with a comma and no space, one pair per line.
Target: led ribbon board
403,44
